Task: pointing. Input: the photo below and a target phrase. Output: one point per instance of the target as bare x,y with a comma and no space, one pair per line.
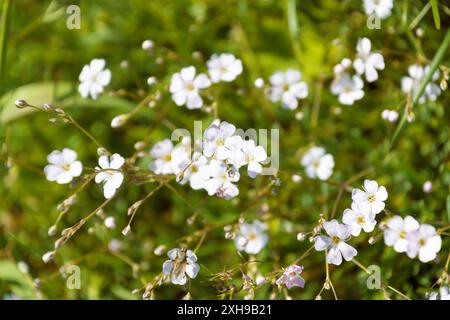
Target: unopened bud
126,230
21,104
119,121
52,231
48,256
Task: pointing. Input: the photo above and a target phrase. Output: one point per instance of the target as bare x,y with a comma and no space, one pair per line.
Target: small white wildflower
380,8
221,180
424,242
252,237
224,67
372,196
109,174
348,88
411,83
182,262
94,77
287,88
367,62
63,166
359,218
317,163
397,232
335,242
185,87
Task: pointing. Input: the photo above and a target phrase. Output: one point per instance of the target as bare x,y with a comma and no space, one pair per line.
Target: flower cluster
349,87
367,203
417,240
214,165
185,86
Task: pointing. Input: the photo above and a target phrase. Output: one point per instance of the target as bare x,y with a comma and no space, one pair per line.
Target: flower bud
48,256
21,104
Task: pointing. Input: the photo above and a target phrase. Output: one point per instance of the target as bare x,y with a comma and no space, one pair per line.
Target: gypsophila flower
251,155
335,242
424,242
427,186
367,62
287,88
196,171
109,174
411,83
359,218
185,87
379,8
94,77
252,237
216,141
397,232
317,163
291,277
348,88
182,262
372,196
224,67
167,158
63,166
220,182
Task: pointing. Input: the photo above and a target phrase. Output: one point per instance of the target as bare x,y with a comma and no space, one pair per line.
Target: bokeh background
42,61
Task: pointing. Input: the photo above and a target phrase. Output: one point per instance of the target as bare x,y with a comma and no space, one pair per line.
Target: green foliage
42,63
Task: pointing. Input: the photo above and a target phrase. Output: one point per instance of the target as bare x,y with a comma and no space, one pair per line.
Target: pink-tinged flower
291,277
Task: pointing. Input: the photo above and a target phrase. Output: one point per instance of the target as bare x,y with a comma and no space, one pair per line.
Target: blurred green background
42,61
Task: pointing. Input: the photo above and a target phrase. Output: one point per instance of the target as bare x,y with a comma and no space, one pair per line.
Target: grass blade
435,10
3,38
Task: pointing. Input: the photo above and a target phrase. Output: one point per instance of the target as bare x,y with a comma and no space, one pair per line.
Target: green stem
433,66
3,37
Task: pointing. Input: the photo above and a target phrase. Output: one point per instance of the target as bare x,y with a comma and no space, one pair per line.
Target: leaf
61,94
435,10
10,273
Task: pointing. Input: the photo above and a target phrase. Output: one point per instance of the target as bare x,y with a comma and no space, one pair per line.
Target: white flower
287,87
317,163
389,115
93,78
380,8
224,67
185,87
251,155
251,237
335,242
411,83
109,174
398,230
444,294
110,222
357,218
371,196
221,180
63,166
348,88
182,262
217,142
196,171
169,159
367,62
425,242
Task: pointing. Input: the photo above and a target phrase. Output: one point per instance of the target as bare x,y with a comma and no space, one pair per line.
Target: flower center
285,87
360,220
371,197
219,142
168,157
66,167
190,87
422,242
335,240
402,234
